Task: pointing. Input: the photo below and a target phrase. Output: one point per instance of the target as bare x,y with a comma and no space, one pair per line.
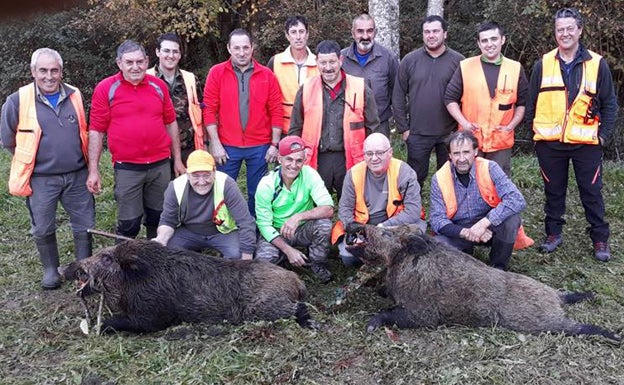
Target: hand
289,227
160,240
295,257
271,154
504,128
479,232
246,256
405,135
178,168
470,126
94,183
218,153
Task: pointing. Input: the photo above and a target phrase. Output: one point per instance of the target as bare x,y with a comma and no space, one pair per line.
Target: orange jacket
486,188
194,107
285,69
489,113
354,130
29,134
360,214
573,124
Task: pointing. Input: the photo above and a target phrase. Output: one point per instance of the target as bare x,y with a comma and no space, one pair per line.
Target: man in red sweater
243,113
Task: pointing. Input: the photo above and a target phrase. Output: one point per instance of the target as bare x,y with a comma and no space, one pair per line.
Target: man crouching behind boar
433,284
150,287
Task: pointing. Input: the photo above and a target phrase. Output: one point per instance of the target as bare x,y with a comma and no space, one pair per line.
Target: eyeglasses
379,154
168,51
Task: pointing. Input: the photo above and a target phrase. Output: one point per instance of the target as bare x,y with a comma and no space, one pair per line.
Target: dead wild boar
433,284
150,287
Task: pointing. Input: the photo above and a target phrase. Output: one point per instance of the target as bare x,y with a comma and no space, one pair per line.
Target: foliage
40,341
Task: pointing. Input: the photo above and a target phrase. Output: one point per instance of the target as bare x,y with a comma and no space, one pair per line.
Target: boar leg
394,316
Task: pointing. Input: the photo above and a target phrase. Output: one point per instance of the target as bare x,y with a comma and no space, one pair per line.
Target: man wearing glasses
572,108
205,209
381,190
185,91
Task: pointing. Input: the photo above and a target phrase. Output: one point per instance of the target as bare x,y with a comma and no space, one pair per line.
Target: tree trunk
435,7
386,15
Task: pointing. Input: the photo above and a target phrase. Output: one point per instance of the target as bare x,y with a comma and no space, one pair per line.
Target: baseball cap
200,160
291,144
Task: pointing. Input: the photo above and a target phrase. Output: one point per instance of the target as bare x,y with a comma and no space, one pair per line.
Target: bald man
380,190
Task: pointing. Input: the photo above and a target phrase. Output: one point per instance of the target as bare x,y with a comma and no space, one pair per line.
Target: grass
41,343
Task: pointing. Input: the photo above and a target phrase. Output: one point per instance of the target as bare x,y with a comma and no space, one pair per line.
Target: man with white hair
43,125
380,190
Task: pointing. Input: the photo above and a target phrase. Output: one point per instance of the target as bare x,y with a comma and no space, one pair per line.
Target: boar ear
417,245
133,267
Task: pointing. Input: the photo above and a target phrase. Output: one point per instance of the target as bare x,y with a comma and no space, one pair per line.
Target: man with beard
294,209
243,113
418,97
474,203
373,62
293,66
333,113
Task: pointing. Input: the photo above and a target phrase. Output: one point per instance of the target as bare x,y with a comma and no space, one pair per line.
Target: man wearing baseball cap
204,208
294,208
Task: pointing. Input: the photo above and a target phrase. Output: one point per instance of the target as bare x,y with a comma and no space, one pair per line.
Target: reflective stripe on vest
487,112
353,126
194,108
552,121
286,73
28,136
221,216
360,214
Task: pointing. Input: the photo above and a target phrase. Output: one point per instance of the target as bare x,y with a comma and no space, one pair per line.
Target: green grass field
41,342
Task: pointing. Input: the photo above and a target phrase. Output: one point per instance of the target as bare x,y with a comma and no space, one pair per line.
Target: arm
174,134
608,102
169,218
212,91
534,86
276,112
522,94
452,97
410,191
94,182
512,201
237,205
371,115
346,205
8,123
163,234
296,118
399,99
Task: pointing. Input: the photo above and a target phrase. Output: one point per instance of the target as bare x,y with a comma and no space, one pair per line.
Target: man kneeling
204,208
473,203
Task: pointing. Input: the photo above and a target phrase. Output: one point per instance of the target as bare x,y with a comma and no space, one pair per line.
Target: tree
386,14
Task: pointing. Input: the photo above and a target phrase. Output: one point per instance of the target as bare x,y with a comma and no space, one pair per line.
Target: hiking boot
602,252
322,273
551,243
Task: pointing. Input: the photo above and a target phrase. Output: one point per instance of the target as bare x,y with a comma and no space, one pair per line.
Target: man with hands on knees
294,208
205,209
473,202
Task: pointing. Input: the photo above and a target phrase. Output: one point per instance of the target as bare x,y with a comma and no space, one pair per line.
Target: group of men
324,117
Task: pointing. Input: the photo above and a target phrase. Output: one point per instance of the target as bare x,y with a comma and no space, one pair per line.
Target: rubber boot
500,254
128,228
150,231
83,245
48,254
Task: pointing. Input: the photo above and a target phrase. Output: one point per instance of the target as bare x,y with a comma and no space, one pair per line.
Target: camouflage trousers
313,234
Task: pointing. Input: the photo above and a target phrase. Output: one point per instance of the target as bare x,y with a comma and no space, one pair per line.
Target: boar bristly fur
150,287
434,284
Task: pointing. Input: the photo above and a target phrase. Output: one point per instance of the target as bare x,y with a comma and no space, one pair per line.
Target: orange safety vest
354,130
487,190
28,136
286,71
572,124
487,112
194,108
360,213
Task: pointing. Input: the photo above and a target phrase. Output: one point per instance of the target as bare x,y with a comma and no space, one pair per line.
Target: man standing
294,209
492,91
381,190
373,62
44,126
243,113
204,208
333,113
418,97
135,111
293,66
184,90
572,108
473,202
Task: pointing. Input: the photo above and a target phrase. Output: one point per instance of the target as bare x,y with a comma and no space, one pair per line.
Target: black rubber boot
151,231
500,254
48,254
83,245
128,228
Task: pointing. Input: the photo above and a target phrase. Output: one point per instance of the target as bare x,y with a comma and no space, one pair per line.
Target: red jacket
221,99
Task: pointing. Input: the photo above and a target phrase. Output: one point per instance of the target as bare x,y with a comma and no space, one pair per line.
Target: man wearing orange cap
294,208
205,209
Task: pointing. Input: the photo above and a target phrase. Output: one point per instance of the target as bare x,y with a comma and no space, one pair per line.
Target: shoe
551,243
602,252
322,273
